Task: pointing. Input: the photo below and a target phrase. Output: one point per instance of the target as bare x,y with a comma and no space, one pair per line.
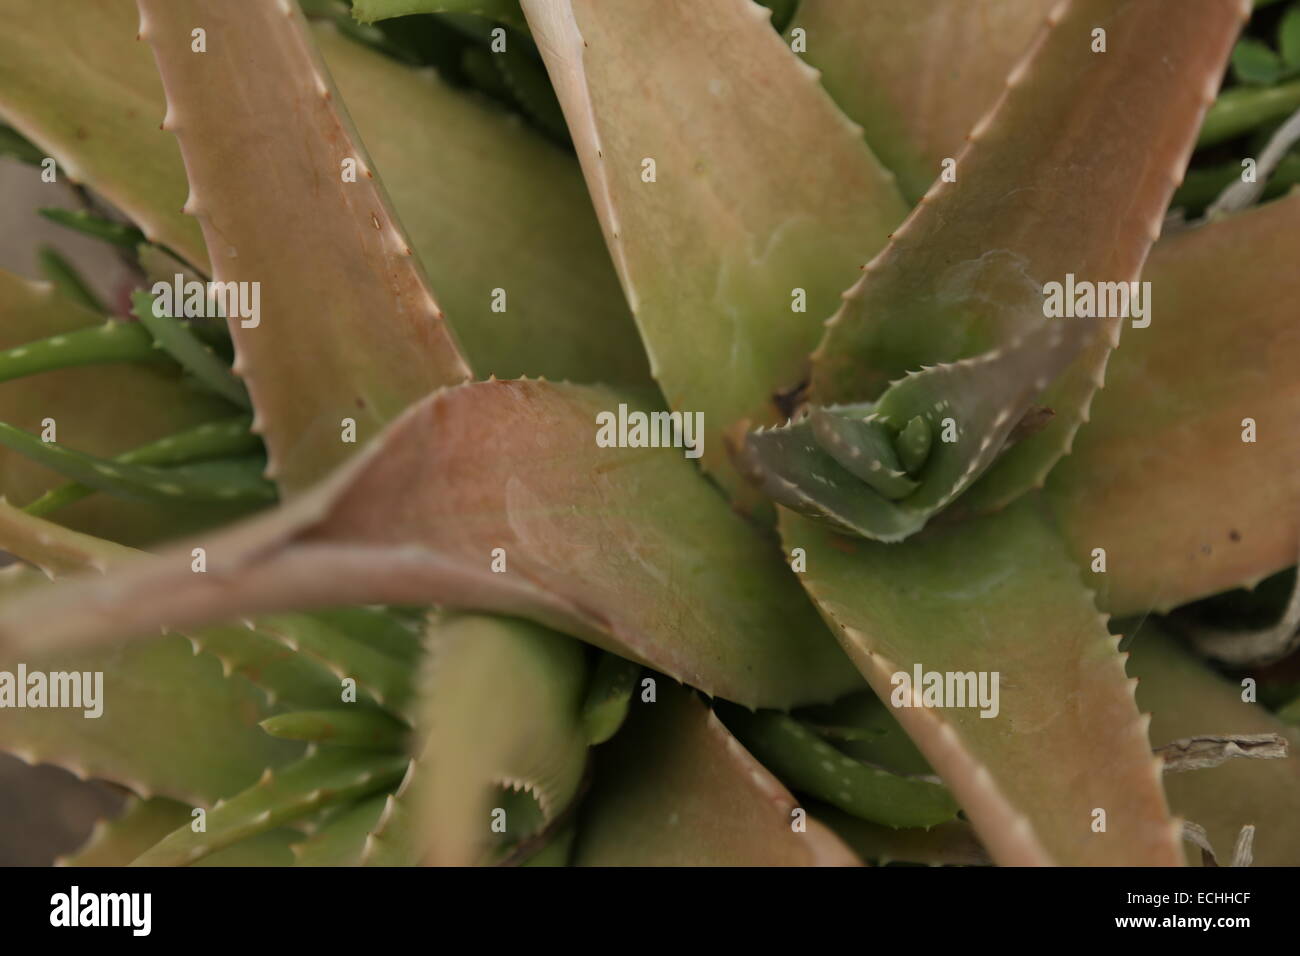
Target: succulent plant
580,454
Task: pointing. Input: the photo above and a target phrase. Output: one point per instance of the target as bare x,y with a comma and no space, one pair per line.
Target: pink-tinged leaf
998,594
491,205
1161,479
1185,699
626,547
1076,131
74,82
348,329
674,788
98,409
762,192
917,74
502,710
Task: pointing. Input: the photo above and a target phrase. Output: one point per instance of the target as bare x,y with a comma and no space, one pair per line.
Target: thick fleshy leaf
139,826
917,74
195,746
1076,131
997,594
74,82
1186,698
340,840
674,788
626,547
318,780
502,709
761,194
840,464
1161,478
348,329
490,205
99,409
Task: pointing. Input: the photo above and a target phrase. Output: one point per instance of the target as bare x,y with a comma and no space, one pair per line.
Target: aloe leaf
67,280
841,466
1185,699
917,74
109,342
74,82
140,825
220,439
609,695
387,681
948,844
811,765
181,344
502,708
686,586
490,205
16,145
504,11
1161,479
998,594
340,840
675,788
134,403
1242,109
967,271
88,224
744,224
317,780
352,332
212,746
394,839
380,628
371,729
237,481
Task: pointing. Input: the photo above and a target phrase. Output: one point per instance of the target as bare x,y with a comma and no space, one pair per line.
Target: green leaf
236,481
1288,38
67,279
102,410
15,145
212,746
75,83
228,438
371,729
966,273
174,338
810,765
625,547
1243,109
608,696
340,840
505,11
502,707
948,844
305,786
739,248
997,594
1255,64
356,334
141,824
491,205
88,224
674,788
1160,479
917,76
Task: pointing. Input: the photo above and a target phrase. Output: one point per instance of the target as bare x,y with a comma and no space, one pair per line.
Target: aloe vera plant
615,432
